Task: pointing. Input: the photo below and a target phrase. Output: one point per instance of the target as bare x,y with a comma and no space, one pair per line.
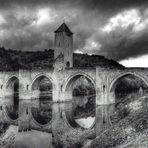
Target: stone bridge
104,81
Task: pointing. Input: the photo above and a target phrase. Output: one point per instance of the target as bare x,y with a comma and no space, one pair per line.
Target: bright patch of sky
123,19
2,20
78,51
141,61
127,18
46,15
92,45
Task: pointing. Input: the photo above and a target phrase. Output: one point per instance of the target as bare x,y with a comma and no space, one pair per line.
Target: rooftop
64,28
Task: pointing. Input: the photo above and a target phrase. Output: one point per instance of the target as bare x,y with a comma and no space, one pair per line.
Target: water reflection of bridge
104,82
46,93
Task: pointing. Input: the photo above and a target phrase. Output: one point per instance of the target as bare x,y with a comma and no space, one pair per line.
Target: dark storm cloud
86,4
128,38
124,48
29,25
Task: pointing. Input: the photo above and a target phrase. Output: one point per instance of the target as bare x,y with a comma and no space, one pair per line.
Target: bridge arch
41,108
74,77
9,81
12,97
125,89
80,104
38,77
113,82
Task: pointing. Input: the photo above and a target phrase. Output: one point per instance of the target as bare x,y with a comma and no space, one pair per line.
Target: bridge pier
2,108
24,115
56,87
24,110
59,94
60,123
56,95
2,98
67,96
104,109
25,96
105,101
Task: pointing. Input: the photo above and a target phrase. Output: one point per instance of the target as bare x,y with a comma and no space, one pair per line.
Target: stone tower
63,45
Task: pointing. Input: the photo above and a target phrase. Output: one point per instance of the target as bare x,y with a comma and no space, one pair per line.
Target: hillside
85,60
127,132
14,60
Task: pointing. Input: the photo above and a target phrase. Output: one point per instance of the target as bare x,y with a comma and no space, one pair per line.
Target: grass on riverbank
3,128
132,125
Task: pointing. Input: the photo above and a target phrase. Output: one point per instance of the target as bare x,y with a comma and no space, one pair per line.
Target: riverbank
125,131
29,139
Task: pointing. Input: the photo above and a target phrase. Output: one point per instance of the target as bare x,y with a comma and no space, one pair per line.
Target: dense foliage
14,60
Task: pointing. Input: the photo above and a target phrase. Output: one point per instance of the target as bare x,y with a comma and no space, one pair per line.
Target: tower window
59,44
67,64
27,110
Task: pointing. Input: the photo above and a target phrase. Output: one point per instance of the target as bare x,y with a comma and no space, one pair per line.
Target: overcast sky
117,29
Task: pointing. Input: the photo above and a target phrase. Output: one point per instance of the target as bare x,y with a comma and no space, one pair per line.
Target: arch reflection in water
12,100
82,110
42,104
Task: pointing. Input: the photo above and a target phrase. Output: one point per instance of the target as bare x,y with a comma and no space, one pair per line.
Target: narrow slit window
27,110
103,88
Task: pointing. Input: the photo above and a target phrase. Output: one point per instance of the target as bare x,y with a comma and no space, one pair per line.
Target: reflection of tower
63,45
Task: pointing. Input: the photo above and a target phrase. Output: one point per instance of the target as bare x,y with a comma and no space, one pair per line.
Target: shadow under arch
75,101
41,104
114,81
74,77
12,97
9,81
39,77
